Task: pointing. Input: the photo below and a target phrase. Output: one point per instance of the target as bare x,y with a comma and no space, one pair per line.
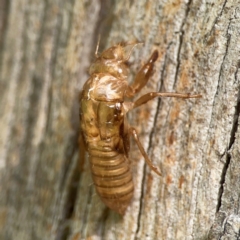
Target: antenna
97,47
131,43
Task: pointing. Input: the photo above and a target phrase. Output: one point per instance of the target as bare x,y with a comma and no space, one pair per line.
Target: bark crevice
228,156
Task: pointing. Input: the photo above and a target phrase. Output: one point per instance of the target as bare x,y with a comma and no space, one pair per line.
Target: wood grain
45,49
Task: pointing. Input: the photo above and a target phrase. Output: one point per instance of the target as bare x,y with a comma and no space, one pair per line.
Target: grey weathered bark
45,49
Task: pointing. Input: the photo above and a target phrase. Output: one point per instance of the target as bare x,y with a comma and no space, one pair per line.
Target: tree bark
46,188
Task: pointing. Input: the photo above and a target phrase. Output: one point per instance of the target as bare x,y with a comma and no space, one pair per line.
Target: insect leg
133,132
142,76
149,96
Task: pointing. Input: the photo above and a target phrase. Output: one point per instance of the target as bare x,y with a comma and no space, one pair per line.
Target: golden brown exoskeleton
104,127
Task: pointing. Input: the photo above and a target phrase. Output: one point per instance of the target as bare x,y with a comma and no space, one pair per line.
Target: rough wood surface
45,49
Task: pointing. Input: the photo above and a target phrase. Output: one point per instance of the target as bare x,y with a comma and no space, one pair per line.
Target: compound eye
109,54
115,53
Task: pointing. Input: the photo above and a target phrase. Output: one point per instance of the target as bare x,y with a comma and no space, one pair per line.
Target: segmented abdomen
112,179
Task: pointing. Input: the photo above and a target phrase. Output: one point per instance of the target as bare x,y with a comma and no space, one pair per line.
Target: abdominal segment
112,179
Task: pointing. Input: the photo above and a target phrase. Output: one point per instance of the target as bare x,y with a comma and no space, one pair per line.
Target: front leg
142,76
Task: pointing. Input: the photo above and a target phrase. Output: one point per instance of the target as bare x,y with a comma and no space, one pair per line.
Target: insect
103,122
